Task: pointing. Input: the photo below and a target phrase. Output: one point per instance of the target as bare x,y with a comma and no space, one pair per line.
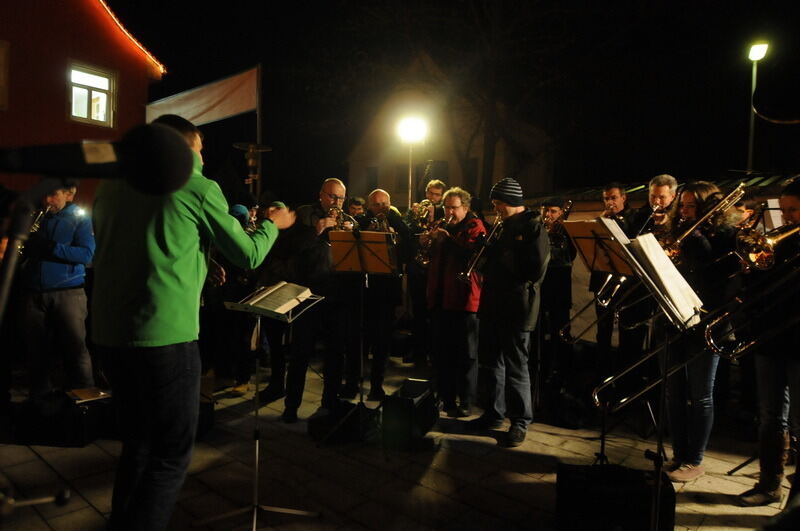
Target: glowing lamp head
412,130
758,51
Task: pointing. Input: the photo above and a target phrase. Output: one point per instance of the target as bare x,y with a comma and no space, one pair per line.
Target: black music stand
600,252
677,301
364,253
283,302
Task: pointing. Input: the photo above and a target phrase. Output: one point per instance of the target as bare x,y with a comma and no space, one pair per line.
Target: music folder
283,301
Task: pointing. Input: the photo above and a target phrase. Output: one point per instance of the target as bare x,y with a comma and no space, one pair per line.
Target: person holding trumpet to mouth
454,304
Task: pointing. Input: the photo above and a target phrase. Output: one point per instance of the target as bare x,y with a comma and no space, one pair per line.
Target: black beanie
508,191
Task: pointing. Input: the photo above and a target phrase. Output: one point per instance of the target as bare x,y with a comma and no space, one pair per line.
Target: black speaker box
409,414
610,497
345,422
57,420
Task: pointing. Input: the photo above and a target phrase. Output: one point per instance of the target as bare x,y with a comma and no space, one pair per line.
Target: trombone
497,229
602,298
774,292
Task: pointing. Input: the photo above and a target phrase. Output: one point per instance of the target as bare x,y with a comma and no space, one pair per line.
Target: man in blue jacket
54,305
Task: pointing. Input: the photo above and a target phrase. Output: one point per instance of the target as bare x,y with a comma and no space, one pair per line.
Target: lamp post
411,130
757,53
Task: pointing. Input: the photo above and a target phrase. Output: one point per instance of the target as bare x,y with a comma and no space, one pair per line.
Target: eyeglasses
335,197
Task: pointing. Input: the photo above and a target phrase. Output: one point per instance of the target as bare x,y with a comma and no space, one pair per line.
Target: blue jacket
70,248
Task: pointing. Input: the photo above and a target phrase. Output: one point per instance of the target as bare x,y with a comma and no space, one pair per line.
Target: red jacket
450,256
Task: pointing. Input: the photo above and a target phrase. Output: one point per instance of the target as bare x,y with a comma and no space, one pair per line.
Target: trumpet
673,247
497,229
758,249
341,218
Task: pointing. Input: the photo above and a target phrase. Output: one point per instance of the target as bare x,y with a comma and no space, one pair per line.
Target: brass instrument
418,214
380,223
497,229
673,247
603,298
423,256
341,218
757,249
555,228
719,323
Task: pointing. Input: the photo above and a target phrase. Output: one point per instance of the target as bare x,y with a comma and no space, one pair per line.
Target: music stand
677,301
283,302
364,253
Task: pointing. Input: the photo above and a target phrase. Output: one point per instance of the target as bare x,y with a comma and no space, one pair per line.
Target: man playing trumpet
454,304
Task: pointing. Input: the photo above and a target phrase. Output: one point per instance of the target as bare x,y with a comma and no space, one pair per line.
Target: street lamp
411,130
757,53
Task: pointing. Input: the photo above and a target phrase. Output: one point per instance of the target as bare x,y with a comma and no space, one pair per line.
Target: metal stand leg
255,506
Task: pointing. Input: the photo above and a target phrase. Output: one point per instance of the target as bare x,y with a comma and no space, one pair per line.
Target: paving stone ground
460,481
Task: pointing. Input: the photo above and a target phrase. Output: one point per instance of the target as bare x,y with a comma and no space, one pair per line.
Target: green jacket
152,259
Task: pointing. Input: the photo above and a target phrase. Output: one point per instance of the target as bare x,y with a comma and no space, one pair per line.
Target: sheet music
276,299
664,273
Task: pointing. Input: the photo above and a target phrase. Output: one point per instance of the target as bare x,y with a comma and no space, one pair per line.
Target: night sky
626,90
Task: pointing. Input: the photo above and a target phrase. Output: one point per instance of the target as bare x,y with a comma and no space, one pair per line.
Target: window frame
111,94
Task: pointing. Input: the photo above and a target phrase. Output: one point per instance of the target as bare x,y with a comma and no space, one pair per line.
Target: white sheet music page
664,272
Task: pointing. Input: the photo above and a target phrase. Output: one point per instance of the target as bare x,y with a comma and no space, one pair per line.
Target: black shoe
516,436
757,496
349,391
484,424
271,393
458,412
289,415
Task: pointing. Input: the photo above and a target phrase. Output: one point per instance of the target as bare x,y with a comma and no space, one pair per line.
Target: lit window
91,95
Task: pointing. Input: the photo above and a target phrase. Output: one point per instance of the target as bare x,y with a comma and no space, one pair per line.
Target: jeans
503,354
455,356
690,403
156,392
778,384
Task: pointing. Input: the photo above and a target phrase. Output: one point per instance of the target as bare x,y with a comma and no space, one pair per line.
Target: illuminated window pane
90,80
80,102
99,105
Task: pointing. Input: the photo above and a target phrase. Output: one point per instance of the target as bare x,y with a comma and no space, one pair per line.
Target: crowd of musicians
490,306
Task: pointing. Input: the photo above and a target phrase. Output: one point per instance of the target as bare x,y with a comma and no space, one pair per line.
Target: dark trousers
421,325
55,322
456,356
292,347
379,322
503,353
156,392
690,404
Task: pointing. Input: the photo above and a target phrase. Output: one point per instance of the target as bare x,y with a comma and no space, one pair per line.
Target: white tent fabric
215,101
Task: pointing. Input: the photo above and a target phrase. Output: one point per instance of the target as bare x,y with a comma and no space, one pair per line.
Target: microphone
154,159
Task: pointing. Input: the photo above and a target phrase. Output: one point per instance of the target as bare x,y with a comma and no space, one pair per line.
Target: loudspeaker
57,420
361,423
610,497
408,414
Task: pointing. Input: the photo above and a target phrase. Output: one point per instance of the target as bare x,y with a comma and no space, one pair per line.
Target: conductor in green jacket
150,265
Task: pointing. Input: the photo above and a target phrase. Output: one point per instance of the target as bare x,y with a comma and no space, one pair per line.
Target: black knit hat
508,191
